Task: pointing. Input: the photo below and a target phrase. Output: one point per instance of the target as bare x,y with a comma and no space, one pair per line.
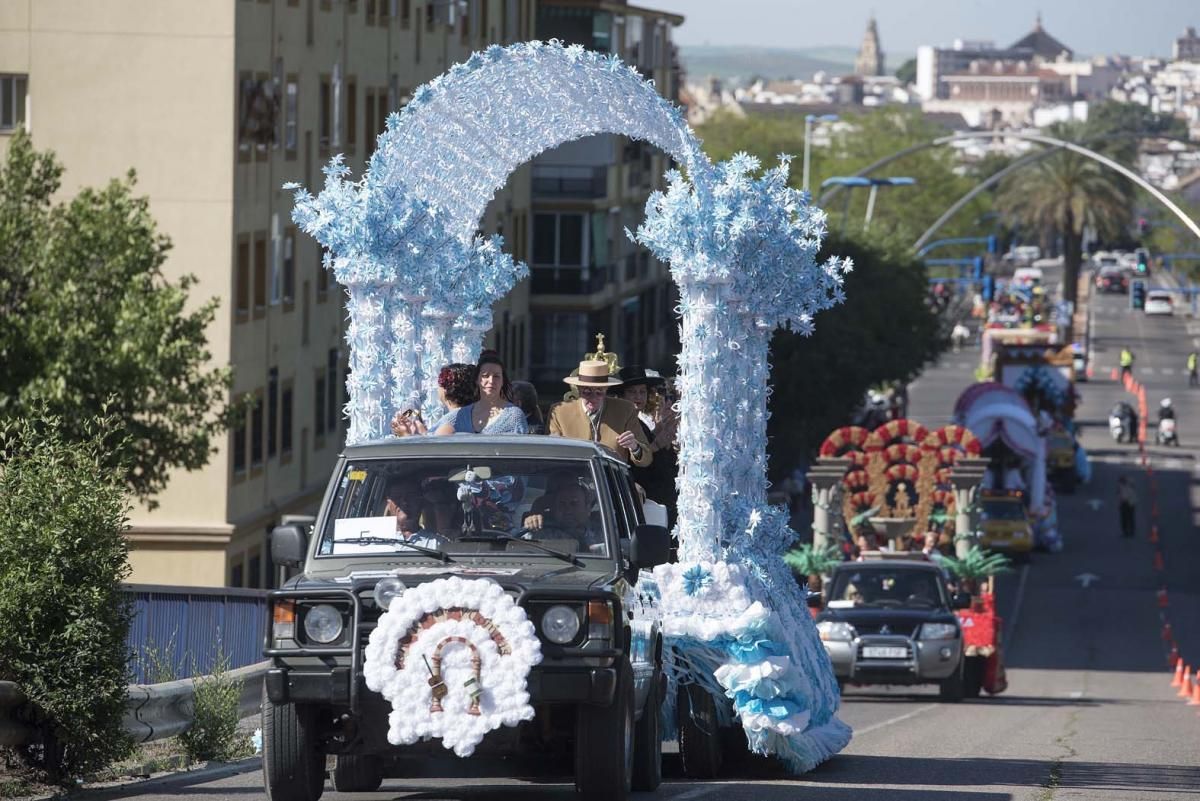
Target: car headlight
938,631
386,590
835,631
323,623
560,624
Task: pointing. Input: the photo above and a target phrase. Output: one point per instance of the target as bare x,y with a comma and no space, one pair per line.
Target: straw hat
592,374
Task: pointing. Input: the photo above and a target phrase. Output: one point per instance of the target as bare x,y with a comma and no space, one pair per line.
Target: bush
62,559
214,734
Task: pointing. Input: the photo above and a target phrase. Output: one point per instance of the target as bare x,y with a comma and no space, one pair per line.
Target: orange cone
1178,678
1186,684
1163,603
1154,534
1195,699
1113,375
1158,561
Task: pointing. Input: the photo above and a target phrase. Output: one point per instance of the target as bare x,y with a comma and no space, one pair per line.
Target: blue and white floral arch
421,282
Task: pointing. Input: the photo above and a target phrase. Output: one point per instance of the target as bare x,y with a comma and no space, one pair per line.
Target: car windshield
448,506
1003,510
880,587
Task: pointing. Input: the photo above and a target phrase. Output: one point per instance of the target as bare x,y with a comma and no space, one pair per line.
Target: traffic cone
1186,684
1158,561
1154,537
1113,375
1195,699
1178,678
1163,602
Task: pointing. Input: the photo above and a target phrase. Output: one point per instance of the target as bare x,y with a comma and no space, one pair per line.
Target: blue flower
696,579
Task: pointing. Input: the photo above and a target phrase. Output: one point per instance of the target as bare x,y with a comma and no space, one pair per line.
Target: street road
1088,713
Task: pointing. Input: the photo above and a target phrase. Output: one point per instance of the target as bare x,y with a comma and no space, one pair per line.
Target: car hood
514,574
870,620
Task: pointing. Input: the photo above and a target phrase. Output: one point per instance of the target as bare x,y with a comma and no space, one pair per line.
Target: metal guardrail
152,711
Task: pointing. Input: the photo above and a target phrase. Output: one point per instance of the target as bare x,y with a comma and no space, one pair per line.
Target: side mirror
649,546
961,600
289,543
816,600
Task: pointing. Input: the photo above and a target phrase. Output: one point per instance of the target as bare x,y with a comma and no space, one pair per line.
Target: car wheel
951,688
354,773
604,744
293,768
647,740
973,676
699,733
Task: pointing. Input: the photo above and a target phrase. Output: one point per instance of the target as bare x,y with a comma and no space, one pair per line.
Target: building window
289,266
405,13
322,277
256,431
384,13
272,412
254,569
260,273
258,114
371,11
13,89
276,259
243,278
351,114
291,133
285,421
559,240
325,120
331,386
370,133
319,405
237,446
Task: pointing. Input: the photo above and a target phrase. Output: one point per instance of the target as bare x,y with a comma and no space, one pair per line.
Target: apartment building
587,277
217,104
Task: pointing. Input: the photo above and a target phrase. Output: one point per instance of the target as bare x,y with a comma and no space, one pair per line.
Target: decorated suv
467,594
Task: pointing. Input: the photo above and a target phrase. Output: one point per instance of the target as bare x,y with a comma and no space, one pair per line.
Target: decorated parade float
741,650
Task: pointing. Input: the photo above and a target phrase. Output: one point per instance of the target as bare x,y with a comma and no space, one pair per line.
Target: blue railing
187,629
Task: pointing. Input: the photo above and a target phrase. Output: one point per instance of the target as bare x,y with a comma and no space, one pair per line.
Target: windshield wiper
566,557
434,552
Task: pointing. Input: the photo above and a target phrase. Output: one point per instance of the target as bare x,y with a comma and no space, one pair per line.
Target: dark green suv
556,523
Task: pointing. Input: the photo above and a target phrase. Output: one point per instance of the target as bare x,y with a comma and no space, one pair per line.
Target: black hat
634,375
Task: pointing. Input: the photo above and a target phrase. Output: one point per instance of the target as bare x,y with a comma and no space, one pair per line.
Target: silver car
891,622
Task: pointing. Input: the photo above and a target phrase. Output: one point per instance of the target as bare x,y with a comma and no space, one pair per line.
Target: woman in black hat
658,480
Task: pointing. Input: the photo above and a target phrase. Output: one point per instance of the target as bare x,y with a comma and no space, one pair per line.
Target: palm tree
1062,195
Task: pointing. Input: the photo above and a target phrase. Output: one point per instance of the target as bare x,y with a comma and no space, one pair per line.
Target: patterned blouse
510,420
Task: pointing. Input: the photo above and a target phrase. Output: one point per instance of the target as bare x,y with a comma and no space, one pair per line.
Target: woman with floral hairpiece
457,387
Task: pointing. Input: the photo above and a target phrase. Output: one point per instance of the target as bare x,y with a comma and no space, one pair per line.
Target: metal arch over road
1028,137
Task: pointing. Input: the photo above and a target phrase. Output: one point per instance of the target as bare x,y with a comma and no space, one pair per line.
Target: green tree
907,72
62,561
88,321
1064,193
883,332
1113,119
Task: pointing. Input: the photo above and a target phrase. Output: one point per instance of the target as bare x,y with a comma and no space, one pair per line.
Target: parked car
891,622
566,580
1160,303
1112,279
1005,524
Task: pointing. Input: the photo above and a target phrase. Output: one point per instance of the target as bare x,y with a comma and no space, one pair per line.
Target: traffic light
1137,295
1143,259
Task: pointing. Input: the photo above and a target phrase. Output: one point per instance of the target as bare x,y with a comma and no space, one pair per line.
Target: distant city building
870,54
1187,47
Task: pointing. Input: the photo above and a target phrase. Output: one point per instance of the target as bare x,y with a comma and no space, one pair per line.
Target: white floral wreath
452,656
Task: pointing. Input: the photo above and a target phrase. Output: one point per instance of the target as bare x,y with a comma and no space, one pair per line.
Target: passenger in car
611,422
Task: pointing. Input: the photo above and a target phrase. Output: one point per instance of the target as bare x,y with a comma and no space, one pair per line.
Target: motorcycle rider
1165,410
1128,418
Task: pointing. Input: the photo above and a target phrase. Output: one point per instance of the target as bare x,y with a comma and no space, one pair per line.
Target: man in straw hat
612,422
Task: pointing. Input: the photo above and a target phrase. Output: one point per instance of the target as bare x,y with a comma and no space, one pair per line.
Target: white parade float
403,242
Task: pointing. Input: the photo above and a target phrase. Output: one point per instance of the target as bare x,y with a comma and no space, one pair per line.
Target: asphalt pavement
1088,713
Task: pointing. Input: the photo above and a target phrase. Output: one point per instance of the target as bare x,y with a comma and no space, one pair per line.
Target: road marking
899,718
1095,503
1086,579
698,792
1016,615
1148,370
1167,370
1075,694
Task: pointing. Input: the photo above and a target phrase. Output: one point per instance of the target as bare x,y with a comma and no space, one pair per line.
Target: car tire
604,744
973,676
353,773
951,688
699,733
293,768
647,740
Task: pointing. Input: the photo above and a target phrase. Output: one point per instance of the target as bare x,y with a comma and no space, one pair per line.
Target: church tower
870,54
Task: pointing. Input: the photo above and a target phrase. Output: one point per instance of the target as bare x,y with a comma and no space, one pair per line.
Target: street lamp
809,119
873,183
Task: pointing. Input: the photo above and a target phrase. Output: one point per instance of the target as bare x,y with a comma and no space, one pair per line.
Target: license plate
884,652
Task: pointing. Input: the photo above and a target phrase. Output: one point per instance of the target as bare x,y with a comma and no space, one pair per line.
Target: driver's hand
535,522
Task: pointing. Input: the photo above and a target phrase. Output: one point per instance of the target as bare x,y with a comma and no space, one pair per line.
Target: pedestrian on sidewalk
1193,378
1127,496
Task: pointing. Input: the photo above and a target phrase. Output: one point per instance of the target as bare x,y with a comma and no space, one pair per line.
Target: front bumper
584,685
1018,541
926,660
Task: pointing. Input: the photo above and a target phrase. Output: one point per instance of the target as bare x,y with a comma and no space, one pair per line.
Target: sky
1090,27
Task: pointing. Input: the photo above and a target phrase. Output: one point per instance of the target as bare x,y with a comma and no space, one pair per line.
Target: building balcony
559,181
569,280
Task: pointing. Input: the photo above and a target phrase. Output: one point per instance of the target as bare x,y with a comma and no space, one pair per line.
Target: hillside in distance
738,64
